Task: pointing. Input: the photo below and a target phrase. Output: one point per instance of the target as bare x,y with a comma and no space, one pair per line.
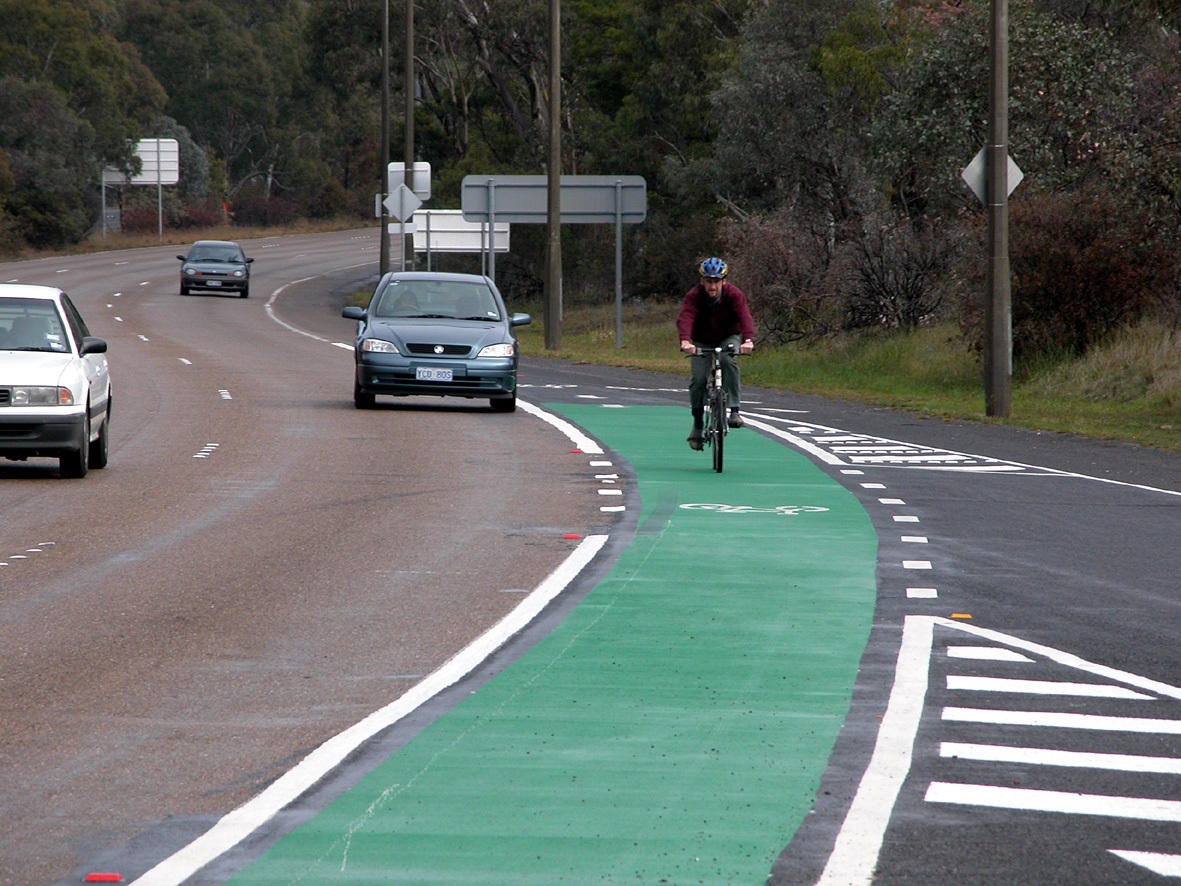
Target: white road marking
1054,801
1157,862
238,824
916,564
922,593
1042,687
1057,720
986,653
1052,757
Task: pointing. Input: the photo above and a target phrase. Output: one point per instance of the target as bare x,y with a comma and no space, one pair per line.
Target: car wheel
184,290
245,293
75,464
99,449
504,404
362,399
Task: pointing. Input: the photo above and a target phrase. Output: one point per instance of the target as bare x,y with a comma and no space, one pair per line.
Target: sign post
159,165
584,199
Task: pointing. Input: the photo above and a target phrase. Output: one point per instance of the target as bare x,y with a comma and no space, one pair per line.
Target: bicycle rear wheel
719,428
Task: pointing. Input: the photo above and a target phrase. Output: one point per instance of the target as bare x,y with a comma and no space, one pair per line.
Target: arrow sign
402,203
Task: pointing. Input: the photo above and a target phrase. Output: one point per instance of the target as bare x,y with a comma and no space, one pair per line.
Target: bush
1083,265
258,211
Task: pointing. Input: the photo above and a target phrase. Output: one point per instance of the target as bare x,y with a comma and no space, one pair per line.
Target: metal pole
998,309
553,252
159,194
492,230
408,147
618,264
383,164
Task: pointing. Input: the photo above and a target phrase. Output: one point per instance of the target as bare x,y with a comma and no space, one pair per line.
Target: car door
94,365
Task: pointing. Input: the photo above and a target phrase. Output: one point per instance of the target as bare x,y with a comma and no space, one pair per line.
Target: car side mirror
249,260
181,257
93,345
352,312
520,320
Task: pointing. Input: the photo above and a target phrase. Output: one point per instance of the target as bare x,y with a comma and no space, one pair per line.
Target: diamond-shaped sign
402,203
976,175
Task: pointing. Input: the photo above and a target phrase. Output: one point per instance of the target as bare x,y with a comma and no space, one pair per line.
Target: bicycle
715,425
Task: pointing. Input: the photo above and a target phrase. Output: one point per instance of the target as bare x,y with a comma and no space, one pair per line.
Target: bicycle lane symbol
782,510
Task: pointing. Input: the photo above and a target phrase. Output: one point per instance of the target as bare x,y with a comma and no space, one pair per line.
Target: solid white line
1157,862
860,839
1069,660
1041,687
577,437
1050,757
1054,801
1055,720
241,822
823,454
986,653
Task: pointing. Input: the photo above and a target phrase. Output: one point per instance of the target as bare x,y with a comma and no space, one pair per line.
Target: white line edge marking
1054,801
823,454
238,824
1157,862
859,841
577,437
1052,757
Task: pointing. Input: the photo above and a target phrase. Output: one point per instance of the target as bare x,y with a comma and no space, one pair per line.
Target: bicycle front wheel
719,428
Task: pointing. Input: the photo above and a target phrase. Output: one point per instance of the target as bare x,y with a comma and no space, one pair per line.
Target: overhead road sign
585,199
582,199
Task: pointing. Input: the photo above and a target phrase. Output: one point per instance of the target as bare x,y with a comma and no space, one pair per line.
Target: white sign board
420,179
975,175
160,164
444,230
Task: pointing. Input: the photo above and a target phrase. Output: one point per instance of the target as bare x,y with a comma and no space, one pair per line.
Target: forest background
817,144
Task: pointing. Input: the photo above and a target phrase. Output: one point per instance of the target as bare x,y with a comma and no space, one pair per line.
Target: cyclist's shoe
695,440
735,420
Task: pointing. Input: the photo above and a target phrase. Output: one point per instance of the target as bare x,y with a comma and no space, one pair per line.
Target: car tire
504,404
74,465
363,399
184,290
100,448
245,293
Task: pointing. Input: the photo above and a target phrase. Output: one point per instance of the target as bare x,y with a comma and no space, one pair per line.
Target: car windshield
437,299
31,324
215,253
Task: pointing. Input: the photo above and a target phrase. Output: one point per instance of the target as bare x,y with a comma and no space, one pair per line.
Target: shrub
258,211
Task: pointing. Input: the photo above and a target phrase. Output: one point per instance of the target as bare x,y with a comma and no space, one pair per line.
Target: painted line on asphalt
1051,757
235,826
1067,802
1042,687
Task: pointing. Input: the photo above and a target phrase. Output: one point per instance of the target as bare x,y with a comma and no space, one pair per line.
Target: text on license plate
429,373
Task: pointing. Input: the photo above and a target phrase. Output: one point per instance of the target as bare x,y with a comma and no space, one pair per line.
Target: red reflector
571,535
104,878
575,451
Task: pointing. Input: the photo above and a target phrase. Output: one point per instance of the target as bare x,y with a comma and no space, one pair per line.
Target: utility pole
383,160
998,305
408,147
553,250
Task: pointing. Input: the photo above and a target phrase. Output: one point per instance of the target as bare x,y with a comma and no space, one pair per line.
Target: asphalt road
259,567
262,565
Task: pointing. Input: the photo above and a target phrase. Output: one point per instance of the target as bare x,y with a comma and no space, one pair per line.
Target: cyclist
714,314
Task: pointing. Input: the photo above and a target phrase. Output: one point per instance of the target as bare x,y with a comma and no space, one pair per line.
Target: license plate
213,283
428,373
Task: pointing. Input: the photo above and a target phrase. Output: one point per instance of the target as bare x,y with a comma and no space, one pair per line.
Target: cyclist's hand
688,347
747,347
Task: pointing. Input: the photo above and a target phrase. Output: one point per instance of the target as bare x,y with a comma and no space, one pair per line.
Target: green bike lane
672,728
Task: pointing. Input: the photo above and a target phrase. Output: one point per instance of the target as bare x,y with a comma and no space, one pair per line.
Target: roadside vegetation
1127,390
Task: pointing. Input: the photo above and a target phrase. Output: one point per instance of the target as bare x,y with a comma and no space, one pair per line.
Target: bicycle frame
715,426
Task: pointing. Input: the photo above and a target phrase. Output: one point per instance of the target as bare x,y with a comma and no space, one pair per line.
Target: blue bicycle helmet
713,267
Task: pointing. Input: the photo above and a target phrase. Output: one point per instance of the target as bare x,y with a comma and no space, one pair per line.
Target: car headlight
192,272
497,351
239,273
379,346
41,396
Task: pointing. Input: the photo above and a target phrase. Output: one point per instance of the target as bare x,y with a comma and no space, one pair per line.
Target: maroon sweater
710,322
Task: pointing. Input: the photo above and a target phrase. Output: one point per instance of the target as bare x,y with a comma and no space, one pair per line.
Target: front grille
17,432
448,350
5,396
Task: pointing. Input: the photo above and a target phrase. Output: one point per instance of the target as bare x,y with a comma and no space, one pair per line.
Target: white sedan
55,385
